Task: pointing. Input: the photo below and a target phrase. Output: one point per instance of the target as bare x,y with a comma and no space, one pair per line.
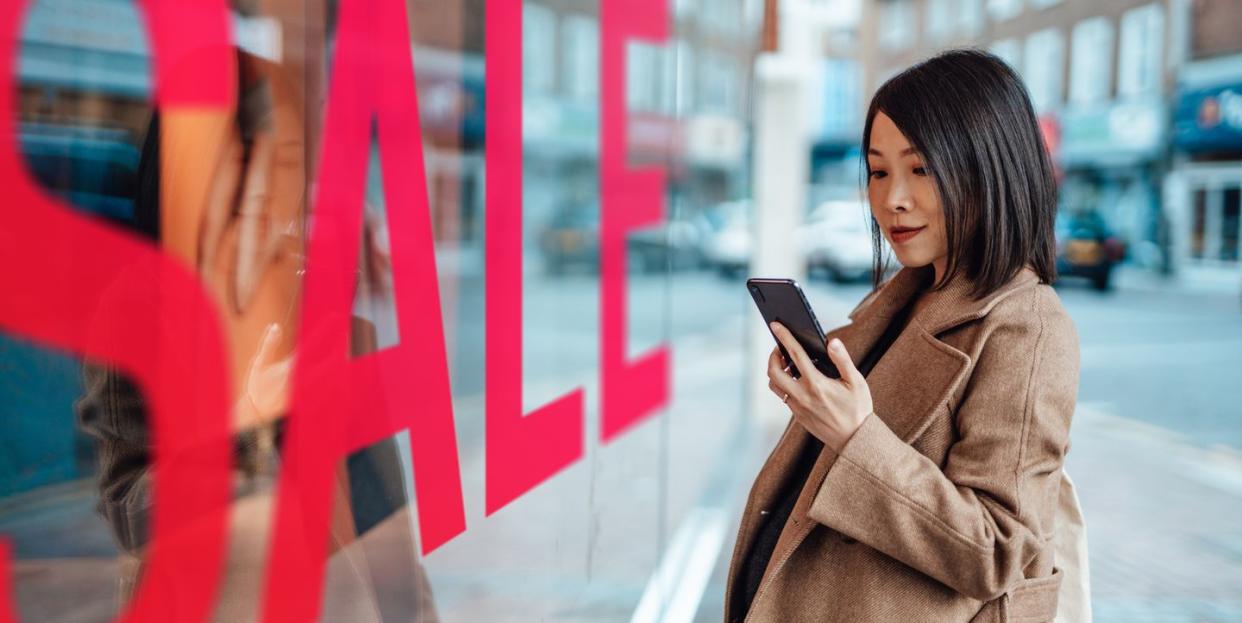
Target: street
1160,357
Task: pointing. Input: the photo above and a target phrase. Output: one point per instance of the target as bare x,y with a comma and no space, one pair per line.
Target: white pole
781,163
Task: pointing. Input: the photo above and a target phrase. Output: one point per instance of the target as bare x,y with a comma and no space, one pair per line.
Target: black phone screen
782,300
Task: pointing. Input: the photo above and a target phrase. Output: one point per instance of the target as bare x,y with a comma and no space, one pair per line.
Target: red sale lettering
75,284
341,404
80,286
632,390
522,450
7,614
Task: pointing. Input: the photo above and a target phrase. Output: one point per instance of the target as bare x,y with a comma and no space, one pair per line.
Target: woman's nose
898,199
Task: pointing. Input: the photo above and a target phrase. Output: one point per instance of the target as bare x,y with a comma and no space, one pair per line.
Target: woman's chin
908,261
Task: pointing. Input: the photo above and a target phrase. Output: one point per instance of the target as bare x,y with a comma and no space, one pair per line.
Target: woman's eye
876,174
920,171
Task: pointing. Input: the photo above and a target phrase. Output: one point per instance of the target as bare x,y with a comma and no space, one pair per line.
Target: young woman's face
904,200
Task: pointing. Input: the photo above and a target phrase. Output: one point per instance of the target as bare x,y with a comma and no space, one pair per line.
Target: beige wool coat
940,508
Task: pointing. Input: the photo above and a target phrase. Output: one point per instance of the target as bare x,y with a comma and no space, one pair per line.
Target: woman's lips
904,234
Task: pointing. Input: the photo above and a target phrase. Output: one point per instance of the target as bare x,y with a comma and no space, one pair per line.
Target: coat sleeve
978,523
112,412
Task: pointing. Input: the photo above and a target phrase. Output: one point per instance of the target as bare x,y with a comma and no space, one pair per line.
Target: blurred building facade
837,107
447,48
1100,75
688,105
1203,188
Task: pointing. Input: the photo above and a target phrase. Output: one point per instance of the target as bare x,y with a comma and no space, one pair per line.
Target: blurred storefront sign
1050,130
1118,135
1107,154
452,91
715,140
560,127
1209,119
569,128
654,138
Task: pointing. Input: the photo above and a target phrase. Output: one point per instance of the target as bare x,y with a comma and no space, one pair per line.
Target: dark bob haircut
969,117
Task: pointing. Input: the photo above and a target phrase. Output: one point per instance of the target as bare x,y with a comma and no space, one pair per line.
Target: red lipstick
900,235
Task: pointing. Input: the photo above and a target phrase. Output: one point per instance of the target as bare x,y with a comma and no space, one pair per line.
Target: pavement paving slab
1164,521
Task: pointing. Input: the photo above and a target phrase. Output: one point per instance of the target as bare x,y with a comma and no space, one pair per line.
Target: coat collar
943,309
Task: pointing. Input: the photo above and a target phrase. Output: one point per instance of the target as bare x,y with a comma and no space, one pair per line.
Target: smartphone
782,300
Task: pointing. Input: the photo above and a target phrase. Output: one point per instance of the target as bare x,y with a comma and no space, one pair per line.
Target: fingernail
772,326
836,344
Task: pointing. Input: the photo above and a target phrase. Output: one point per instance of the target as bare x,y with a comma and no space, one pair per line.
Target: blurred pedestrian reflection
225,192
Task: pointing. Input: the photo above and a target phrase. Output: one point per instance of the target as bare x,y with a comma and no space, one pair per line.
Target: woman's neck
939,264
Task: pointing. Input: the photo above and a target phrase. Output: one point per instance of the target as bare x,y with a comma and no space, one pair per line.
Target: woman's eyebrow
905,152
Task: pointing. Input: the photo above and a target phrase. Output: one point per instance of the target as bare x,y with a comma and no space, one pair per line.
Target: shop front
1205,184
1110,157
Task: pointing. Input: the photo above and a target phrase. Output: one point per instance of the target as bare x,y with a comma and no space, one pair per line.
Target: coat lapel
873,315
919,371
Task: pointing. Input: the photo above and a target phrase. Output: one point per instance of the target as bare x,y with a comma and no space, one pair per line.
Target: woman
922,485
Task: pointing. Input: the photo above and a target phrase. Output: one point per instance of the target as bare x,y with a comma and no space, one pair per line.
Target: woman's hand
830,409
265,398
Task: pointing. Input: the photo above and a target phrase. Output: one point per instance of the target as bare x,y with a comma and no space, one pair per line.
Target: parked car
729,244
837,241
1087,248
672,245
570,240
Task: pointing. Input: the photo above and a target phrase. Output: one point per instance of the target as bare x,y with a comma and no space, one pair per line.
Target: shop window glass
1198,223
1231,225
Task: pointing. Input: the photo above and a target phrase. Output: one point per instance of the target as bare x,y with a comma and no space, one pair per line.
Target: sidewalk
1133,278
1164,521
1163,525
